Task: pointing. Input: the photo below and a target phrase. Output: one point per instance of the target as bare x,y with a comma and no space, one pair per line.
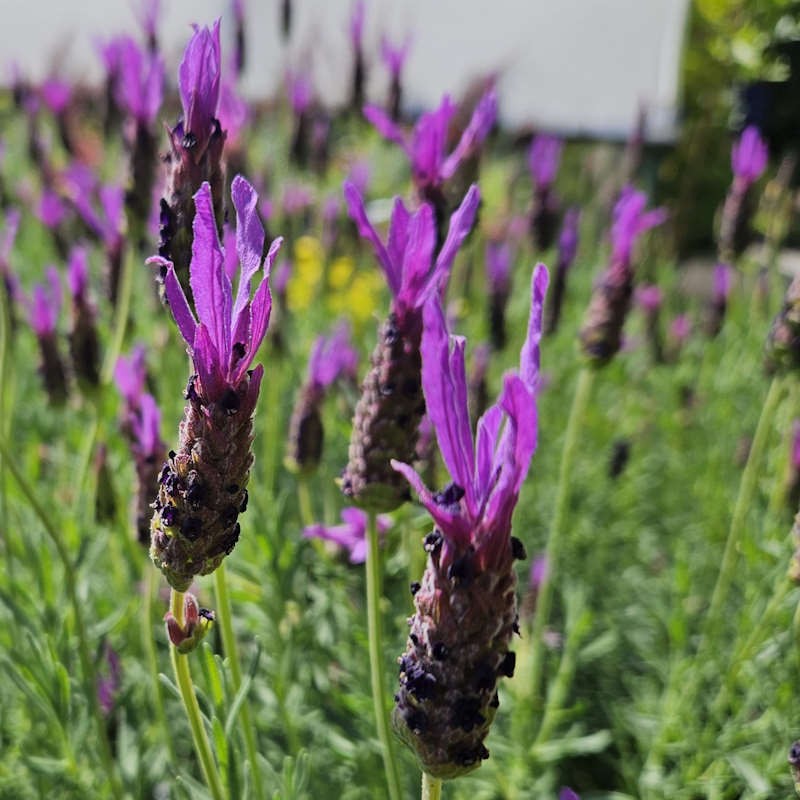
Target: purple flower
139,88
110,53
487,473
498,267
55,94
300,92
357,23
44,305
568,240
543,159
359,175
631,221
223,343
407,255
567,794
108,685
649,297
749,156
199,84
78,273
722,281
130,374
394,55
680,328
332,356
538,573
351,535
51,210
430,164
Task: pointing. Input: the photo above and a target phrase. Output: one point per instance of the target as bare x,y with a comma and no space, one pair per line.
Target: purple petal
417,279
211,288
249,237
130,374
207,361
749,155
386,126
187,324
199,80
481,122
529,357
452,525
78,272
444,384
357,212
543,160
428,143
461,223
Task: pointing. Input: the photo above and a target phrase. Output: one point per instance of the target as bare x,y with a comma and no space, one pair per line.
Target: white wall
574,65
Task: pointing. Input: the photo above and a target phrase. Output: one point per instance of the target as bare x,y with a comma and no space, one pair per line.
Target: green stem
376,669
84,653
183,677
232,652
152,660
304,501
544,597
744,502
431,787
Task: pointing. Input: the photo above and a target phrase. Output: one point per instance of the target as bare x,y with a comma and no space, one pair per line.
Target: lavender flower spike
202,486
601,333
748,160
543,160
196,151
388,413
567,250
43,310
466,609
394,57
331,357
84,344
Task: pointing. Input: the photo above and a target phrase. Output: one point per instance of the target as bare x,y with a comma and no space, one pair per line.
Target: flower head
431,166
227,332
498,266
44,305
130,374
722,282
568,239
300,91
351,535
749,156
649,298
394,55
332,356
543,160
487,472
407,255
140,85
680,328
631,221
56,94
199,84
108,684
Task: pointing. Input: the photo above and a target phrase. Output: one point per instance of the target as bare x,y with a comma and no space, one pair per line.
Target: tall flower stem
376,668
183,677
431,787
744,501
304,501
544,599
148,644
232,653
84,652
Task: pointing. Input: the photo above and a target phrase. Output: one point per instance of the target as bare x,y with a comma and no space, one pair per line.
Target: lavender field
351,449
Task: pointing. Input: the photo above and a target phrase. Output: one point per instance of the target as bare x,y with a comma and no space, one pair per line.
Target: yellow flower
307,273
340,272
